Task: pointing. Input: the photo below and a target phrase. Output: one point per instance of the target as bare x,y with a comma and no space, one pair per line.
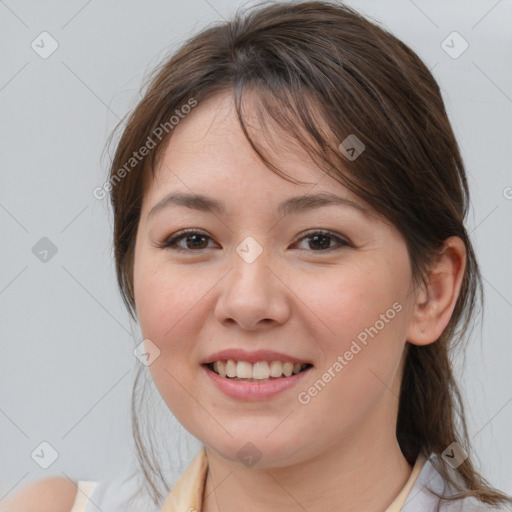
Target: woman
289,203
274,280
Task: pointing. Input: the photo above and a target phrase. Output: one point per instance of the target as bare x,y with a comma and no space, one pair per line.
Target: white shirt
185,496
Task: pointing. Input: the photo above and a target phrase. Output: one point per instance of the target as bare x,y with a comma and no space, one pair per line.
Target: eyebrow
291,206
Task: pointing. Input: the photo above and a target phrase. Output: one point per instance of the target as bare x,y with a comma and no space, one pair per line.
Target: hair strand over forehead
320,72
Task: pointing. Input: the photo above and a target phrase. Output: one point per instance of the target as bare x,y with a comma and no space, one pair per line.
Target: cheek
164,299
360,330
164,296
169,301
348,300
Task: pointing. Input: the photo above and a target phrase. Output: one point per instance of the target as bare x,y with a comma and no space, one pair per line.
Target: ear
435,303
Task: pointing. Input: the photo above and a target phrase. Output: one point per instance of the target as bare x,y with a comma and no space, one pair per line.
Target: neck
361,476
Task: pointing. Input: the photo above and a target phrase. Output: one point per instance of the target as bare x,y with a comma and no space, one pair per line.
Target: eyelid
171,241
342,241
166,243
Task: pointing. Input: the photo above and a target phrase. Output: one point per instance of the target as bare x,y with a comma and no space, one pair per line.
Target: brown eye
193,240
320,241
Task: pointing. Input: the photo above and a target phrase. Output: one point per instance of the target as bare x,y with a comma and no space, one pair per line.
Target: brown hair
314,65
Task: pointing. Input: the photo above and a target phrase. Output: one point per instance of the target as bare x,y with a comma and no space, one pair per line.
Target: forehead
208,154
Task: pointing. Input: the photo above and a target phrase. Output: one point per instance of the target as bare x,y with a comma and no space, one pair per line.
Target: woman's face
253,277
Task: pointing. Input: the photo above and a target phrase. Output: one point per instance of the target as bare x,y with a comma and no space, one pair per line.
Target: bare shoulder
53,494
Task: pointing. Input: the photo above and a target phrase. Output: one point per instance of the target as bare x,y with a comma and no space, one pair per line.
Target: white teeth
221,367
287,369
276,369
262,370
231,368
244,370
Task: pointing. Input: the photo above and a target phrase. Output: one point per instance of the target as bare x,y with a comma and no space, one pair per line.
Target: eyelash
171,242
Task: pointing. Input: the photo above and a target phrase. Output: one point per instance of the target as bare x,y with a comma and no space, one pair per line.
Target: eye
193,240
323,239
319,241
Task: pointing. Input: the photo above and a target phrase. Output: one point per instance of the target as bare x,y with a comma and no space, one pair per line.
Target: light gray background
67,363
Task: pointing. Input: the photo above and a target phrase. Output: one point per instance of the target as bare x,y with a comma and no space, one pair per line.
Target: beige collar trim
399,501
187,493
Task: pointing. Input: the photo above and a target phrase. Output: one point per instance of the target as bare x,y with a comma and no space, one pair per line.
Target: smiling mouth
262,371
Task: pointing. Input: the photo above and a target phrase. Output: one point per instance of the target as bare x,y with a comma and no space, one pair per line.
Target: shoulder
430,479
53,494
471,504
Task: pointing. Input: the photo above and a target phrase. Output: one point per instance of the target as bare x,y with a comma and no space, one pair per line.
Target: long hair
322,72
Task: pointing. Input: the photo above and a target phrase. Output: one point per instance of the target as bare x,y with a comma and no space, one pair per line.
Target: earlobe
436,301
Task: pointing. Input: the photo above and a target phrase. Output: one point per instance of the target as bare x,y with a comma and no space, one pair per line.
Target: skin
339,451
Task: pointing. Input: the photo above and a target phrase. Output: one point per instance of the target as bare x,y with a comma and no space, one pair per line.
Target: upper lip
238,354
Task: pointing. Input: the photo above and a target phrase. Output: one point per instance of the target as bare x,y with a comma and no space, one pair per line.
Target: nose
253,295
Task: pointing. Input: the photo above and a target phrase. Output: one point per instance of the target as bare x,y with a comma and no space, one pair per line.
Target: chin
258,451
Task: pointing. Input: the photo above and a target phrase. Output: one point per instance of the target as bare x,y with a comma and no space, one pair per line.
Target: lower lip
254,390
